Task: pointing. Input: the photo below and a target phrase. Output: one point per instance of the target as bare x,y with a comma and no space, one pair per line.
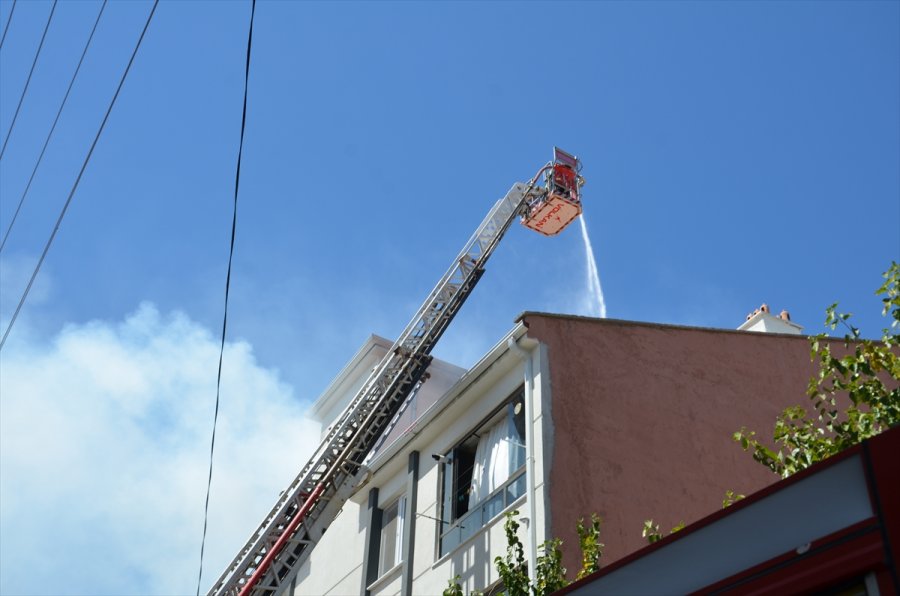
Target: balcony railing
482,513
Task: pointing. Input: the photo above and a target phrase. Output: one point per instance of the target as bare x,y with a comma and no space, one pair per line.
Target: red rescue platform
550,213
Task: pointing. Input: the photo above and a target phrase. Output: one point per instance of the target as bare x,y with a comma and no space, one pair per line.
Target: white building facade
432,504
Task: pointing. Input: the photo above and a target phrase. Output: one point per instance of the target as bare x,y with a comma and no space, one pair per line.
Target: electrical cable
8,21
28,80
237,180
87,159
52,128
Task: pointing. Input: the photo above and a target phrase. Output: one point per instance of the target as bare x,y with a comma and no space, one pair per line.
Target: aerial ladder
271,557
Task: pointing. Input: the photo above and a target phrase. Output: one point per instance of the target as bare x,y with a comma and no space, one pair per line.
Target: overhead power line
8,21
87,159
28,80
237,181
52,128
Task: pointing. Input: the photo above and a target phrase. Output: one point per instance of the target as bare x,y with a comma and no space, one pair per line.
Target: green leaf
849,397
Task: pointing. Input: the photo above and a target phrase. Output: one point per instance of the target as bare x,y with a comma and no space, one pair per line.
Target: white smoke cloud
104,446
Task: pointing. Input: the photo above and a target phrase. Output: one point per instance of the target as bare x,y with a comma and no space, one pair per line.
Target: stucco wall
643,417
328,571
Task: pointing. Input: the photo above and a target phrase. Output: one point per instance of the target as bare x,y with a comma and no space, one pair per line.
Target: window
483,474
391,551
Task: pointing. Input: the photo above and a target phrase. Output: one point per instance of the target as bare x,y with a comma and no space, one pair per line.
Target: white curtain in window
492,463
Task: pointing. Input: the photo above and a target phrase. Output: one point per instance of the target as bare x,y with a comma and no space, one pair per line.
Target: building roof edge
663,326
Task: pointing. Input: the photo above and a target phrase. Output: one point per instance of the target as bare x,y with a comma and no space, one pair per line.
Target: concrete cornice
324,401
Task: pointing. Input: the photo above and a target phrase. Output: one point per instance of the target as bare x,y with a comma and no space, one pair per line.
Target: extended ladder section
275,551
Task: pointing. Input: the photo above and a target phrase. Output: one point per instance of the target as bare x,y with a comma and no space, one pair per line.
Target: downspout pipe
529,454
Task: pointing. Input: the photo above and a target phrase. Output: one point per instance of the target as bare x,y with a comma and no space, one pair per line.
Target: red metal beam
282,540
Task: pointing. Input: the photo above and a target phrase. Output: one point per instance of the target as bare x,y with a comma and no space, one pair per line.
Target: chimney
762,320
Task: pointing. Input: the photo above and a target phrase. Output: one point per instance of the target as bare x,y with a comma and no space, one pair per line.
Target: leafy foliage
591,547
874,404
513,570
453,588
651,531
731,498
549,572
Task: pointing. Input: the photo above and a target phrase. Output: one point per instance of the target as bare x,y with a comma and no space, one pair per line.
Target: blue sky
735,153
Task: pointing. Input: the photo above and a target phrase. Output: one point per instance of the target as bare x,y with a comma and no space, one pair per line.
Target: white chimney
763,321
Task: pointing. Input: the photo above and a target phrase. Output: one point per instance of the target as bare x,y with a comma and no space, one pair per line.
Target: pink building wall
643,417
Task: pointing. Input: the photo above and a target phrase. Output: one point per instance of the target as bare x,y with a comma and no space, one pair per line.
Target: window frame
492,505
400,503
